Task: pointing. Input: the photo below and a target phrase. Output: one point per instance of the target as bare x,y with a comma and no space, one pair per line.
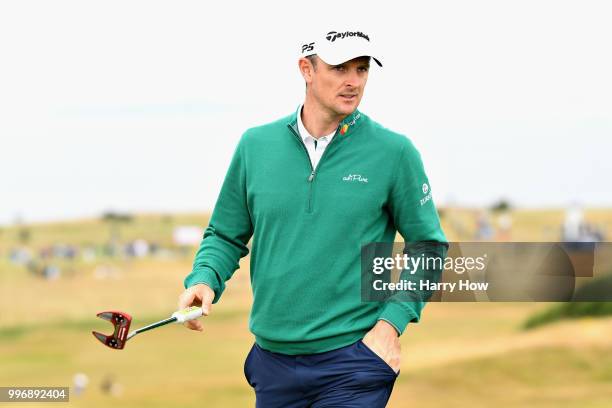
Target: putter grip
185,315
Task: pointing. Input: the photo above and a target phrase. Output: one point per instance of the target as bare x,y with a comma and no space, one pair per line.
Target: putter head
121,321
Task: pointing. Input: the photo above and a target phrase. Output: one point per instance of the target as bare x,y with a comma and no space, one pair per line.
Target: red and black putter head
121,321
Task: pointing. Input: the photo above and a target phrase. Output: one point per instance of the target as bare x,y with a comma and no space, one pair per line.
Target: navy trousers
351,376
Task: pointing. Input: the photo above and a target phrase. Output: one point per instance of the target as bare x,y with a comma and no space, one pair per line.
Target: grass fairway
460,355
550,377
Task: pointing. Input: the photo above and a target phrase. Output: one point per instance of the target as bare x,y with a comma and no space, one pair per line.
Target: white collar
304,132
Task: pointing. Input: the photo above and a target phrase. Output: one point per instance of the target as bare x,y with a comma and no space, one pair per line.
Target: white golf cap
337,47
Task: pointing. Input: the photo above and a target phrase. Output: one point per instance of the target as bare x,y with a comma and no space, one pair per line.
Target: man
312,189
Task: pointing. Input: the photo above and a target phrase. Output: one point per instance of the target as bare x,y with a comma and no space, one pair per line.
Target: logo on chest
355,177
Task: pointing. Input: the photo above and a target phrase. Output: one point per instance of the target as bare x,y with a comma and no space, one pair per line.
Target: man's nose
352,79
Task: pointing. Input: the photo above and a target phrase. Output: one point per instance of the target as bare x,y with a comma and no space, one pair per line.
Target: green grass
543,377
177,368
599,287
45,335
573,310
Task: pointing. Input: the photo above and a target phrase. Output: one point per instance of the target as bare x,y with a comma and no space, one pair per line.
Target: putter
121,322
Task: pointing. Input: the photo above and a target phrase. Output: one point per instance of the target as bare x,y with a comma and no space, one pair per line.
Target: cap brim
334,55
337,59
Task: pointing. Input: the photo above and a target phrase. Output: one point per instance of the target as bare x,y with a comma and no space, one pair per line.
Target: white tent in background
187,235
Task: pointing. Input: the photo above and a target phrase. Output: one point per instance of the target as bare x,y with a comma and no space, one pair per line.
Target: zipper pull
311,177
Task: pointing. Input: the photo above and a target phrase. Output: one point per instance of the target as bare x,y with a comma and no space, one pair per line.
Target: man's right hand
197,295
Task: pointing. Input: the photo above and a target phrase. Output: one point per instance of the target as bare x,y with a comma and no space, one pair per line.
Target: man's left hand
383,340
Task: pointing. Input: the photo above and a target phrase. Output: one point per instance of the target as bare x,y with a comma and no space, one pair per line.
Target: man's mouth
348,97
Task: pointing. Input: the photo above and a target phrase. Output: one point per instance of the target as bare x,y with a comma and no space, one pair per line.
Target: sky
137,106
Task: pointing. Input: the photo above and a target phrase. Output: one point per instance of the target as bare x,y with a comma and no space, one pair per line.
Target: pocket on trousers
375,356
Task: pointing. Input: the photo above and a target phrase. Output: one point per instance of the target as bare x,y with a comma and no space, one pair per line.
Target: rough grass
573,310
597,288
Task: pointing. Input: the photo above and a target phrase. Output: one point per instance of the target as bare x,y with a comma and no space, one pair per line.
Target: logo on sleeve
427,197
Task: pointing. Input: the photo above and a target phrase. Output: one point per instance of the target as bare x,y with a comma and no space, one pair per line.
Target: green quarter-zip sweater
308,228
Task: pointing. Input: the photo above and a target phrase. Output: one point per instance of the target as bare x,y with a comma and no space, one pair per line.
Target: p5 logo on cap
307,47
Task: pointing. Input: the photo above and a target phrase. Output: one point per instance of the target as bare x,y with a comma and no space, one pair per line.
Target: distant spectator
138,248
51,272
504,227
484,230
576,229
110,386
20,256
572,225
80,382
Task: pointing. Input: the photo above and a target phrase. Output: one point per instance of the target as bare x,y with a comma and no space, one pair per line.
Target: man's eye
364,69
339,68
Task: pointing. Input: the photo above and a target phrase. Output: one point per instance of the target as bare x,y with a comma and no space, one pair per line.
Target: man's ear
306,69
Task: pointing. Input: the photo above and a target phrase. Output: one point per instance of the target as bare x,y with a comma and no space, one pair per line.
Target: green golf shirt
308,228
